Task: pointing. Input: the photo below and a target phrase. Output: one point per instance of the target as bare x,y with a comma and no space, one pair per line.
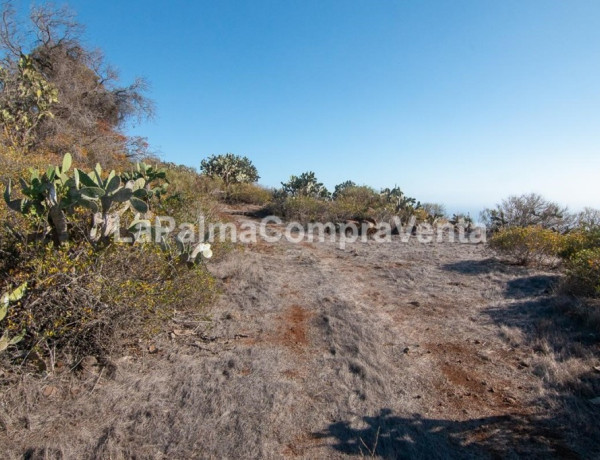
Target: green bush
528,245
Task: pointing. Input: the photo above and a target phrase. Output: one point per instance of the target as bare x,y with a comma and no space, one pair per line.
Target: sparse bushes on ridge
304,199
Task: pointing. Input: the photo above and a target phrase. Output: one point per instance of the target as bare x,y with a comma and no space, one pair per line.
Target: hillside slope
398,350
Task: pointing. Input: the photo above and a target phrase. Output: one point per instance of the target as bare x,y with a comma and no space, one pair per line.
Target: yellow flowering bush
578,240
583,273
528,245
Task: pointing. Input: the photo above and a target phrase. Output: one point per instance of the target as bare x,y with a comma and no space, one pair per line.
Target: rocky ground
396,350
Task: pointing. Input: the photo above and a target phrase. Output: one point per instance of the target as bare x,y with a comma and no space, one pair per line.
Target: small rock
89,362
49,391
152,349
75,391
491,390
597,368
477,342
416,303
406,350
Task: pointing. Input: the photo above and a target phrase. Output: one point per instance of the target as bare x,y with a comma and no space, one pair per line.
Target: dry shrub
302,209
190,195
83,300
528,245
356,203
249,194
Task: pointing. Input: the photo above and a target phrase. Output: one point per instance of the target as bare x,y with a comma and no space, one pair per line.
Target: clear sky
459,102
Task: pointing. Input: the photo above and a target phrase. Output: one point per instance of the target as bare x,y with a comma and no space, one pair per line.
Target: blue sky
458,102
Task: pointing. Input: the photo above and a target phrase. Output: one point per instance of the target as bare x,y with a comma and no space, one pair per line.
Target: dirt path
398,350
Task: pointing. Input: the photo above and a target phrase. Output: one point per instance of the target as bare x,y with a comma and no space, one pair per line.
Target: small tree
588,219
232,169
526,210
47,69
305,185
401,204
340,188
435,211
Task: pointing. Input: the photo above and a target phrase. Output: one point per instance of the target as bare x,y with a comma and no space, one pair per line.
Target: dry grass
399,350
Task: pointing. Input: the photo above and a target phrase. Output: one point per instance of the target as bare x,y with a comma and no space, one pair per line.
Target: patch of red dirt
293,328
468,384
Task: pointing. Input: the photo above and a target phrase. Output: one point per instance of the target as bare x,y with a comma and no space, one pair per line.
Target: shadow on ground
531,286
563,346
390,436
480,267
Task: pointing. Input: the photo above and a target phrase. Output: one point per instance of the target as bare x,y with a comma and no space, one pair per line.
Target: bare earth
398,350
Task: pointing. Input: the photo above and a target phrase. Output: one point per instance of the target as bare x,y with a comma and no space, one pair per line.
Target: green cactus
53,194
5,301
46,195
108,199
151,175
192,252
399,200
